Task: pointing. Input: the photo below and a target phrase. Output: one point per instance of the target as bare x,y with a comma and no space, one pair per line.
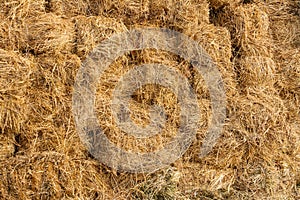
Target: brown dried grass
15,73
49,33
255,47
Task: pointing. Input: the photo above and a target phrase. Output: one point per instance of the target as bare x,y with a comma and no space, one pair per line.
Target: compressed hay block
12,16
259,120
256,71
163,13
286,32
49,33
44,175
71,8
139,105
213,41
7,146
249,28
20,9
11,34
290,71
15,77
216,42
278,9
51,99
288,81
92,30
260,112
182,13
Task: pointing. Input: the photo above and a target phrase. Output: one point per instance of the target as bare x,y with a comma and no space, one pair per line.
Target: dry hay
19,9
50,96
253,138
144,97
68,8
249,28
12,16
221,3
166,13
15,73
256,71
51,175
7,146
92,30
288,82
48,33
255,45
216,42
11,34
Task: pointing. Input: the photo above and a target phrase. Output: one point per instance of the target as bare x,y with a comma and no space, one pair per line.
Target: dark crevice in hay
247,1
236,52
295,8
31,51
17,144
48,6
214,15
76,36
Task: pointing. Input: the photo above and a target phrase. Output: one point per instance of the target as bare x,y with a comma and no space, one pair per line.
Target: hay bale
50,117
257,154
182,13
288,81
278,9
249,28
52,175
256,130
256,71
289,71
166,13
286,32
12,17
49,33
7,146
216,42
139,106
71,8
20,9
15,78
92,30
11,34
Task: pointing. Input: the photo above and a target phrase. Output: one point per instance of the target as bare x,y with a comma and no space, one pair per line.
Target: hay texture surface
254,44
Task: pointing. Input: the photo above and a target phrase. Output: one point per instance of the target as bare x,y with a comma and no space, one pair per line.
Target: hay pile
254,44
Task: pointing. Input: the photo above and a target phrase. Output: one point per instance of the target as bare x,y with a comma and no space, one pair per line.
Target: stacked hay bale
41,155
92,30
15,80
11,34
48,33
44,175
16,10
15,77
12,15
69,9
285,29
258,113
